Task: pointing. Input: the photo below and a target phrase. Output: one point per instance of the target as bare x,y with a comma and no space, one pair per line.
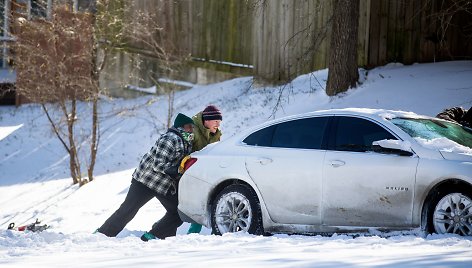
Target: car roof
373,113
377,114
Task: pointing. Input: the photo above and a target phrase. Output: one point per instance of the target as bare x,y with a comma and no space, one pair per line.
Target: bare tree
55,68
139,29
145,31
60,57
447,13
342,64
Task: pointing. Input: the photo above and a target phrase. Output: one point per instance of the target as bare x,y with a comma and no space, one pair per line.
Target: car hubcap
453,214
233,213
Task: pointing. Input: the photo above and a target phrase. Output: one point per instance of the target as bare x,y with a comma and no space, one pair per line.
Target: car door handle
337,163
264,160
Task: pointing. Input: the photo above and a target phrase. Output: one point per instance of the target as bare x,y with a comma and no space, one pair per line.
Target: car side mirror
392,147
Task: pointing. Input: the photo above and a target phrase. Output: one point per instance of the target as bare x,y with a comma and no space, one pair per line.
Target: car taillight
189,163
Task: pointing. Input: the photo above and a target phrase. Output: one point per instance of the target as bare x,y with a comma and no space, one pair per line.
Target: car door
285,162
362,187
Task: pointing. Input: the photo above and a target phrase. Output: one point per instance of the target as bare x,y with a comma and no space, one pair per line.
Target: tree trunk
74,159
170,108
97,67
94,142
342,63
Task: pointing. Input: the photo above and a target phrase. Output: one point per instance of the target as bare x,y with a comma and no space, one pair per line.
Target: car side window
262,137
304,133
357,134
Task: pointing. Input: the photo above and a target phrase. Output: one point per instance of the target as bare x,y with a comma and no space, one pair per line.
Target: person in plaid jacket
156,176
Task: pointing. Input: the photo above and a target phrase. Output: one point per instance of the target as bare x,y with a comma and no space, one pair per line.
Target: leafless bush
56,68
447,11
60,57
145,33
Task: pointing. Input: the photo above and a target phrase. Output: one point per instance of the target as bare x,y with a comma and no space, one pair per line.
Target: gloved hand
173,172
182,164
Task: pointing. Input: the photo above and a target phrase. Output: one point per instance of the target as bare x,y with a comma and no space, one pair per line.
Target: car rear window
302,133
261,137
306,133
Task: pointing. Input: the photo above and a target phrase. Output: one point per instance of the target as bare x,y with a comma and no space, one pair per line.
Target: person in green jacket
207,130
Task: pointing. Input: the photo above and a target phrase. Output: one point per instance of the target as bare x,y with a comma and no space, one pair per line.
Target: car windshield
429,129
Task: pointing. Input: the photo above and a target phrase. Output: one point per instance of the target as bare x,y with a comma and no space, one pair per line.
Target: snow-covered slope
35,182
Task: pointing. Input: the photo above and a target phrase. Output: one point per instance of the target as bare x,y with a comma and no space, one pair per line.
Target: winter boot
195,228
148,236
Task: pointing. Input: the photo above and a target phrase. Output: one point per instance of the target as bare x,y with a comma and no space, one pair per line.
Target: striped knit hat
211,112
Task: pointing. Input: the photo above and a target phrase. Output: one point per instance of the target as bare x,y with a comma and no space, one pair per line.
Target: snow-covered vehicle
334,171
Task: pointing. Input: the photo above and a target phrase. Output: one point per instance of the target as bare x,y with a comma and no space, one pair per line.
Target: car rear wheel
452,214
236,208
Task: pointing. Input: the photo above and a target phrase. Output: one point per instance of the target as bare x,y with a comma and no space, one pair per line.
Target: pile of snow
35,181
398,144
7,130
445,145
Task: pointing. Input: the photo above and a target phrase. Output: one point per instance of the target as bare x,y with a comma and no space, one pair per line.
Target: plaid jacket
169,150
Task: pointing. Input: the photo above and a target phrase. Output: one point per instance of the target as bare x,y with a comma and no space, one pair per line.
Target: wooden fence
280,39
409,31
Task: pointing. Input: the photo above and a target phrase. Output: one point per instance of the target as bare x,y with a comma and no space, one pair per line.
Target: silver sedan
334,171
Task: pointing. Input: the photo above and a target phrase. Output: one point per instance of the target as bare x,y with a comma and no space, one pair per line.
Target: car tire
450,212
236,208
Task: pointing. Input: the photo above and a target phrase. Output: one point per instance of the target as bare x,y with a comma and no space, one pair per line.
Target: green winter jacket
202,135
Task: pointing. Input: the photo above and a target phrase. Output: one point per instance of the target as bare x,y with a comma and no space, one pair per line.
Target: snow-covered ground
35,182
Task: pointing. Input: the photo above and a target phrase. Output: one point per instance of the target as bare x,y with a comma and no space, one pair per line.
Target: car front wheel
236,208
453,214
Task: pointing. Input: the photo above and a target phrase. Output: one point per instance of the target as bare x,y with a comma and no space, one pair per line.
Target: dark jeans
138,195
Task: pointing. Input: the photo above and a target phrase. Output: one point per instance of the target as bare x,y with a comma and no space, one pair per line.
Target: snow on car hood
449,149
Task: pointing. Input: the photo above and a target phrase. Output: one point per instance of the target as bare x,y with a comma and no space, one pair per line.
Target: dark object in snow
33,227
458,115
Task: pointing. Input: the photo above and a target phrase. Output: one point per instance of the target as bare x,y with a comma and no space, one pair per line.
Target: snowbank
35,181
